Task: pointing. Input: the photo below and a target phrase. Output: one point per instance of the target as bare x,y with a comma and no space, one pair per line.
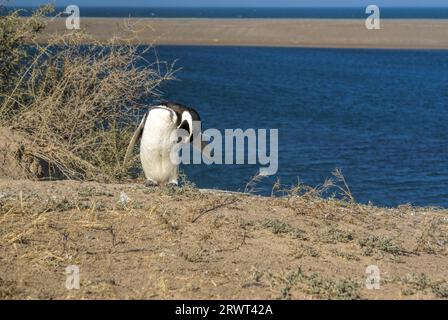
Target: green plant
320,287
440,289
385,244
281,227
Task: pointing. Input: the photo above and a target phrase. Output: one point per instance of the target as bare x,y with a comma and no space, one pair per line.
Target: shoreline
256,32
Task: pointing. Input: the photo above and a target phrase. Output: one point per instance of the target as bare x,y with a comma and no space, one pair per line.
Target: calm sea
278,13
379,115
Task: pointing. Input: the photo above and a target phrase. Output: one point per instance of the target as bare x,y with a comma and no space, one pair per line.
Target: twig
223,204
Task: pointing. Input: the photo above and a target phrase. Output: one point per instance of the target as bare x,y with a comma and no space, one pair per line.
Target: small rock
89,237
124,199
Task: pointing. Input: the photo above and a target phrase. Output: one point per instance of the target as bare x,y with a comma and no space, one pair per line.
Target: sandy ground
190,244
269,32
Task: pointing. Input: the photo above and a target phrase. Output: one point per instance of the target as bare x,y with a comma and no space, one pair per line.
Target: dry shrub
75,105
14,34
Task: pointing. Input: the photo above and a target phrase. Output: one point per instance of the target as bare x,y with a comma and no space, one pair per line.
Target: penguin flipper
137,134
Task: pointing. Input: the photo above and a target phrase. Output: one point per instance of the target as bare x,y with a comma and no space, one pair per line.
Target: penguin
155,131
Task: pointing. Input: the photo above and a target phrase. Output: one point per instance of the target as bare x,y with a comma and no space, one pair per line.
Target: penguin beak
203,145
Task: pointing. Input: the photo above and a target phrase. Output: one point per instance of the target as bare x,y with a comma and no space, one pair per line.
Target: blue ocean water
379,115
277,13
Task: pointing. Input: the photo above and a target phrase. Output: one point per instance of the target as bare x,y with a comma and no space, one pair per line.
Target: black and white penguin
156,144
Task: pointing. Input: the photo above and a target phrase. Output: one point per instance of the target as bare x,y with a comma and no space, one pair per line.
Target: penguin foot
150,183
173,184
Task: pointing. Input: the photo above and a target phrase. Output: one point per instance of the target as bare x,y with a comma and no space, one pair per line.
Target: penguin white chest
156,146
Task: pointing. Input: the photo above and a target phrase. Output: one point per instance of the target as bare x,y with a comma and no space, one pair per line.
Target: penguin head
188,122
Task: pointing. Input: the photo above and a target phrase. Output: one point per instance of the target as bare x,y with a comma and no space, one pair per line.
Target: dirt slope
130,242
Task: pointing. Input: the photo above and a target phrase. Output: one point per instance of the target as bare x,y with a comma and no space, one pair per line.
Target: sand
192,244
430,34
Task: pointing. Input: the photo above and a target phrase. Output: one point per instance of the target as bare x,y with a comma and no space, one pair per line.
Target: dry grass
74,105
133,242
